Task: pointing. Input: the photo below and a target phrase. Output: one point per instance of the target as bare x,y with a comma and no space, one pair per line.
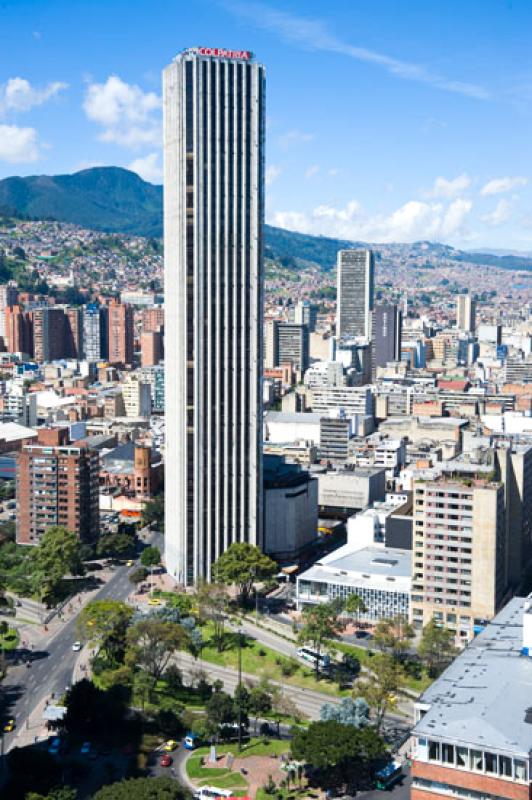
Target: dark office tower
213,245
74,332
387,324
287,343
354,297
306,314
48,334
121,333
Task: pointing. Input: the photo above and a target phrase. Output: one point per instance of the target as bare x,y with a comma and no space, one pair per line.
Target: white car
76,647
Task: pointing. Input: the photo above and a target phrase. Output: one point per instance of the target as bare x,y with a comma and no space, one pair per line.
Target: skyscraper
8,298
354,300
121,333
386,326
465,313
213,219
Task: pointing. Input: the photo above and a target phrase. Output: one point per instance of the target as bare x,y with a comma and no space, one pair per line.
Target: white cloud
311,171
294,136
501,185
449,188
312,34
129,116
18,145
499,215
18,95
272,173
414,220
333,172
148,167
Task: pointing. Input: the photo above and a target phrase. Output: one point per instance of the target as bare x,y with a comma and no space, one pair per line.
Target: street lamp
239,687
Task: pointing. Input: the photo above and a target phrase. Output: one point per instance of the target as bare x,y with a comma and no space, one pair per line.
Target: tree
58,554
92,711
241,565
144,789
394,636
104,623
347,712
138,575
320,622
114,544
260,702
143,686
150,556
331,744
381,687
220,709
151,644
61,793
153,513
355,605
436,648
30,770
213,601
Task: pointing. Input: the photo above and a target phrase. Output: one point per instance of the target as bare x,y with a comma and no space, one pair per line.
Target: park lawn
9,640
232,780
365,657
264,666
255,747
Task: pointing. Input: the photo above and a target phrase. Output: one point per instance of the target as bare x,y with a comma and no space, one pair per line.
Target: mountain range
117,200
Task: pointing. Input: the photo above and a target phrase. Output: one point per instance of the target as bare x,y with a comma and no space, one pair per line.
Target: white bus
310,656
212,793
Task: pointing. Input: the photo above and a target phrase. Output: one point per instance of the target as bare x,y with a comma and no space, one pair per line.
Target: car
76,647
85,749
169,745
9,726
362,635
54,746
166,761
130,563
154,601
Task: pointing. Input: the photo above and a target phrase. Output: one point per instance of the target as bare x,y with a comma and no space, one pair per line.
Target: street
26,689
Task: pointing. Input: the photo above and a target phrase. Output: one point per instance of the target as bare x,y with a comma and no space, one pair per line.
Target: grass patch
196,770
263,662
233,780
9,640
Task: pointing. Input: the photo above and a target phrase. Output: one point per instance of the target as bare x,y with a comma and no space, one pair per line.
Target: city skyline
431,160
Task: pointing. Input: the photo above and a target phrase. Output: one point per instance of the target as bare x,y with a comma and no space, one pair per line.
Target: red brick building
57,484
121,333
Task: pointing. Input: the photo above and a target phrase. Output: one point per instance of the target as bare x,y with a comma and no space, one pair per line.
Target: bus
311,656
213,793
388,775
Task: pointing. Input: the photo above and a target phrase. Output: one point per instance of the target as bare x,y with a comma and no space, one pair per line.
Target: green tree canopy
394,636
241,565
104,623
355,605
331,744
151,643
92,711
213,601
320,622
436,648
150,556
153,513
144,789
380,689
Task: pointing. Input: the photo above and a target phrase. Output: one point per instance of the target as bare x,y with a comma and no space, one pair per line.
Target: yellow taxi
169,746
154,601
130,563
9,726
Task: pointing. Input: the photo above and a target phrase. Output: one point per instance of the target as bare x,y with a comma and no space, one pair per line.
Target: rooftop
364,565
483,698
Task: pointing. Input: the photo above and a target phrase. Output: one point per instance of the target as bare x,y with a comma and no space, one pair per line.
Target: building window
461,756
490,761
434,751
505,766
519,770
447,753
476,762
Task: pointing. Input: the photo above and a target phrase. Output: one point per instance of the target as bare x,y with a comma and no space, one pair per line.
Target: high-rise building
137,396
213,221
459,571
306,314
387,321
8,298
354,300
49,341
287,343
19,330
121,334
74,332
57,484
151,348
95,332
465,313
152,318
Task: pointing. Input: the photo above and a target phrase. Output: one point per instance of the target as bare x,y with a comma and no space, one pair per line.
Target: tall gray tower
213,229
354,298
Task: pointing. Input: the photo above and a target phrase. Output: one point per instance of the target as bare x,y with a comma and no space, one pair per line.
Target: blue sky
388,120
